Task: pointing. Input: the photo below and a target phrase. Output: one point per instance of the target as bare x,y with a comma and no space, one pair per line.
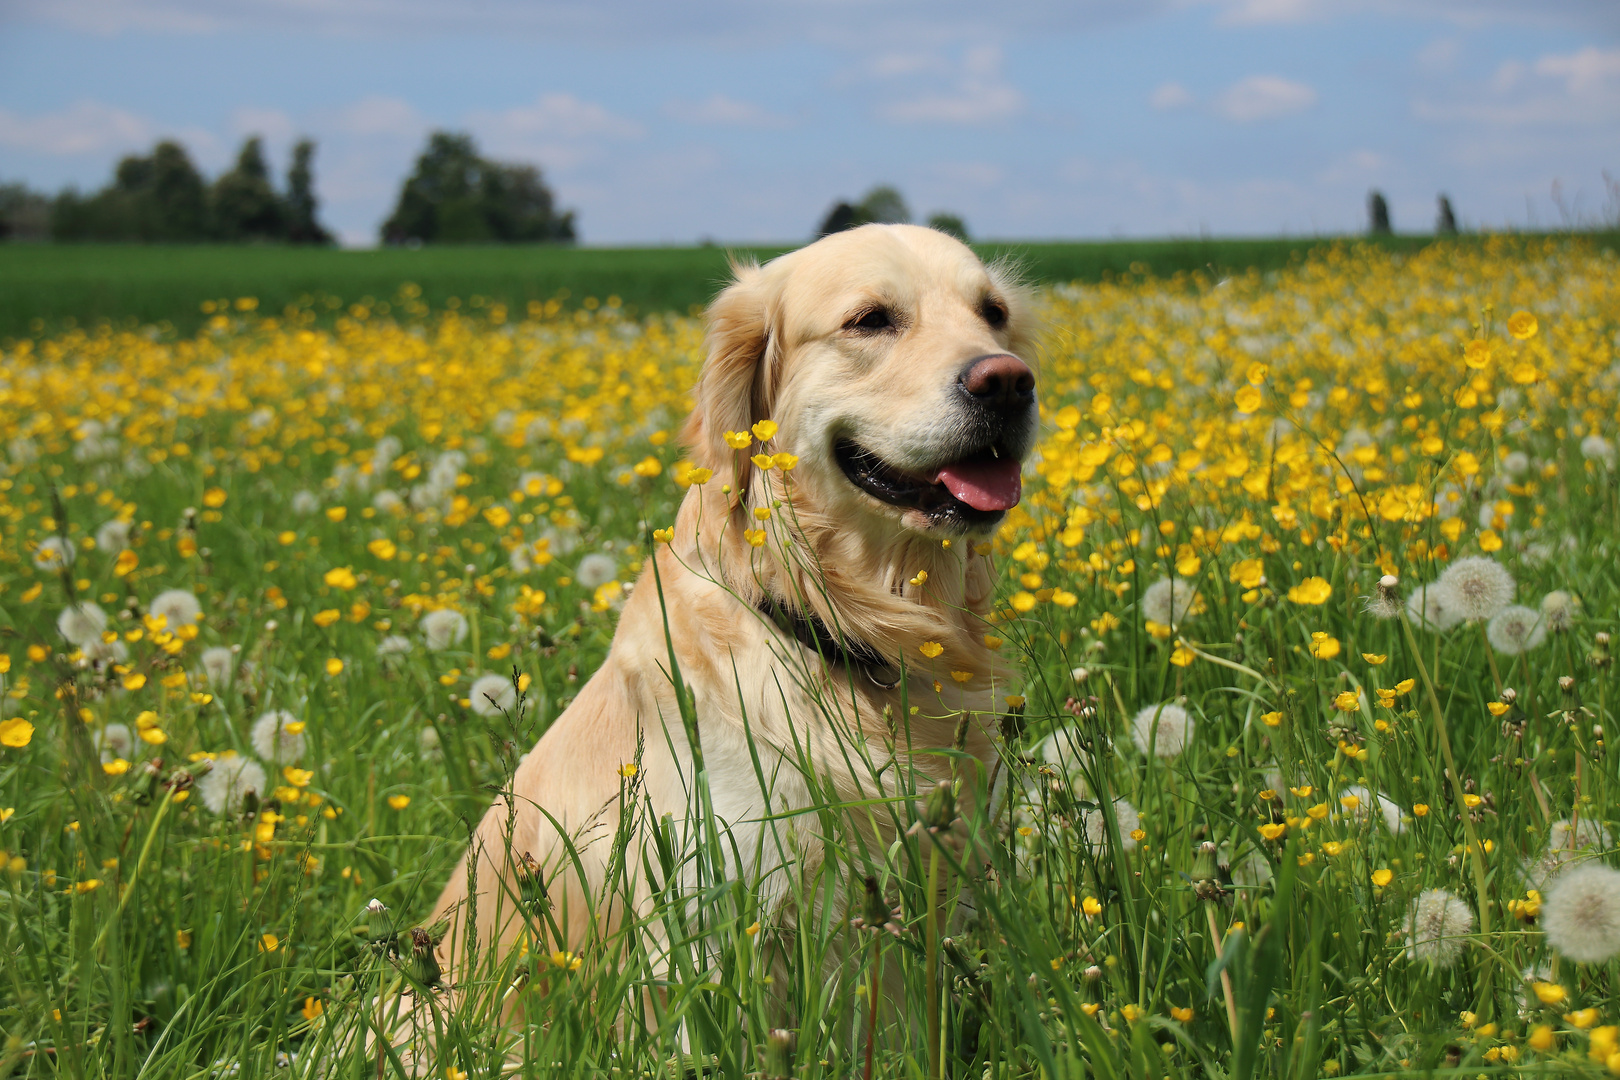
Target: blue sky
662,121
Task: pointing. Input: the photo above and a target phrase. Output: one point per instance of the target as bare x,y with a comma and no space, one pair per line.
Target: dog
803,599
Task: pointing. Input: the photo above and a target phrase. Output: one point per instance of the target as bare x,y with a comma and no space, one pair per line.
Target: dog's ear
730,387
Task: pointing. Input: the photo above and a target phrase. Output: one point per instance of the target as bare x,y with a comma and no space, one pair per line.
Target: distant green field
43,287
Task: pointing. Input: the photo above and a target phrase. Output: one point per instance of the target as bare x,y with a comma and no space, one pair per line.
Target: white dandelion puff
1437,928
1433,608
177,607
1516,463
113,536
393,645
1094,827
1596,448
1568,843
491,695
1559,610
388,501
305,502
219,664
1359,802
443,628
223,787
1516,629
54,553
273,740
596,570
1168,601
1479,586
1062,751
104,651
82,623
1581,914
428,743
1385,602
1164,730
114,741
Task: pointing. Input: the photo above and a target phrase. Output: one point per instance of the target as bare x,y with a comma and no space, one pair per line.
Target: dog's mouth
976,489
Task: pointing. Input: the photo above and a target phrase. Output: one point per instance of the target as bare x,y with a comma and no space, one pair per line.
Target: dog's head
889,356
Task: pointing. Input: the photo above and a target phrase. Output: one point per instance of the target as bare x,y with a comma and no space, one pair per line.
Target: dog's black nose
1001,381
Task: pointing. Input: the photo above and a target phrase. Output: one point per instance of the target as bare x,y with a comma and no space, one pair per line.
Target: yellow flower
1182,656
126,562
962,676
1347,701
920,578
566,961
1313,590
1550,993
1477,354
500,516
764,430
1331,848
87,885
1181,1015
297,777
663,536
1249,573
383,548
1271,719
214,497
761,461
700,475
326,618
453,1073
336,513
341,577
1091,907
1131,1013
755,537
737,440
134,681
1064,599
1489,541
1542,1038
628,769
1301,792
1382,876
930,649
1272,831
1351,803
1522,325
1420,809
1022,601
1581,1018
115,767
15,732
1248,399
1497,708
312,1008
1318,812
762,513
1324,646
399,802
1374,658
334,666
786,462
269,943
647,467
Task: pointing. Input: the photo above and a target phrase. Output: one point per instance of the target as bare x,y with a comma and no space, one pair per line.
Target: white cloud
1264,97
378,115
1589,71
1170,95
980,95
557,116
88,127
719,110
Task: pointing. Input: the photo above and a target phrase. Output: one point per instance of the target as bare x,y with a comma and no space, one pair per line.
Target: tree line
453,195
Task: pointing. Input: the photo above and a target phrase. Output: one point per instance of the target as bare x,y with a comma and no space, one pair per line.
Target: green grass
45,287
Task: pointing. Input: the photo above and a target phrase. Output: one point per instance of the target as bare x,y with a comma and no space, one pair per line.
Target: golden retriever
888,359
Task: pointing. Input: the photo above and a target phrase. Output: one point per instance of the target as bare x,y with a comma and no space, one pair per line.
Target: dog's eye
874,319
993,312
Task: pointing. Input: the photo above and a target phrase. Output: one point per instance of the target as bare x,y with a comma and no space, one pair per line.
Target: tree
245,206
842,216
1378,215
24,214
881,204
156,198
950,224
1445,222
455,196
302,228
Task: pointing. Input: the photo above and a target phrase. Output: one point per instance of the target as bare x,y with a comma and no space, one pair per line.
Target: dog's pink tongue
984,485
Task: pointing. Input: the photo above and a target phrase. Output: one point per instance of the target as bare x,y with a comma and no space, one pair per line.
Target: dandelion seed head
1432,608
54,553
273,742
219,663
1094,827
1516,463
1516,629
1479,586
82,623
1165,729
113,536
1437,928
492,695
114,741
1581,913
305,502
223,787
427,741
178,608
388,501
442,628
1385,602
1559,610
596,570
394,645
1168,601
1062,751
1596,448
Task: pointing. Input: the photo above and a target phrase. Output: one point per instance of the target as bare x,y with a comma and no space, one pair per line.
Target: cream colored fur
778,349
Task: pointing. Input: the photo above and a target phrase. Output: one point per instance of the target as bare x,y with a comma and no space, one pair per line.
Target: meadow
1311,596
47,288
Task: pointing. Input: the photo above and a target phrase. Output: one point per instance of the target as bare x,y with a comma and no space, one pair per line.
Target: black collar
808,630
